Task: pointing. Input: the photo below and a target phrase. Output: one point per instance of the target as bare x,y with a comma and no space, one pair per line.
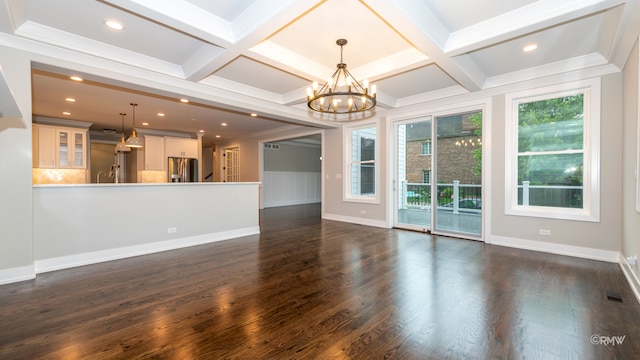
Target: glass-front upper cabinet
71,148
58,147
80,149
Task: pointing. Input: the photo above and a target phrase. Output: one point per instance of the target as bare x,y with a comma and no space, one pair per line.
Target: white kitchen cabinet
45,143
181,147
154,158
61,147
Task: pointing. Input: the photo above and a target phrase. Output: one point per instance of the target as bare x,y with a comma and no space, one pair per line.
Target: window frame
429,145
591,151
347,194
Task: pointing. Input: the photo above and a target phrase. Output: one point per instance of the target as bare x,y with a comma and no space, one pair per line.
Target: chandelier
342,93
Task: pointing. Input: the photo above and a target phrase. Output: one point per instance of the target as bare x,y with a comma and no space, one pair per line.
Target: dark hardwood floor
312,289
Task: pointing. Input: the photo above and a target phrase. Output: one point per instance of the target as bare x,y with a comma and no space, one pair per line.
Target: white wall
281,188
292,175
82,224
16,249
630,217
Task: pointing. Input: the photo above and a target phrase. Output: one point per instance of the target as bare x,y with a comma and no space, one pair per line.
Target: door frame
482,104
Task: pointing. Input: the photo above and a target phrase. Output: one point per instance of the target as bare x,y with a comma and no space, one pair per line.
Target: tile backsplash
59,176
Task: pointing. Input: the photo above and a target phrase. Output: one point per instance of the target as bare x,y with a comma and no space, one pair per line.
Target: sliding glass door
438,185
413,179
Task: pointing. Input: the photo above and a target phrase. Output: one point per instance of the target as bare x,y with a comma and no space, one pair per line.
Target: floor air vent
614,297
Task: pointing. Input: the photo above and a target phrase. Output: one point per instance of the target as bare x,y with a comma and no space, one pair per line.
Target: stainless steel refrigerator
182,170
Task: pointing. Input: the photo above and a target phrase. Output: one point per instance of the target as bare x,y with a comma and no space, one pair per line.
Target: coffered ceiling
235,57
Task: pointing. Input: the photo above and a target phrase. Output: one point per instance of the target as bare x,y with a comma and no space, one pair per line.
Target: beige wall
335,207
603,235
630,218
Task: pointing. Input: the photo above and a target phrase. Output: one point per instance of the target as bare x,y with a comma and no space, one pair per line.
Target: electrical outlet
171,230
363,212
545,232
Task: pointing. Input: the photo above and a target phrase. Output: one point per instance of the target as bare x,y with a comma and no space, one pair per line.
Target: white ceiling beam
427,34
527,19
256,24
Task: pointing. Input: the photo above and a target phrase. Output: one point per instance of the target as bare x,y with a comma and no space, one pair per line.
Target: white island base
77,225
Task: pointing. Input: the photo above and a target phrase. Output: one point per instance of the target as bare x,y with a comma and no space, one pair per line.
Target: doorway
291,171
438,187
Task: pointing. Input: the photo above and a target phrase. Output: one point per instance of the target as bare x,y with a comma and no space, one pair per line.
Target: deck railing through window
468,196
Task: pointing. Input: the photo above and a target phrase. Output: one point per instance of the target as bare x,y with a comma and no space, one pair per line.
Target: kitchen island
76,225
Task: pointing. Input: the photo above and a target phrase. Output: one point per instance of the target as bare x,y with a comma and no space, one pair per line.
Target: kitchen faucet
102,173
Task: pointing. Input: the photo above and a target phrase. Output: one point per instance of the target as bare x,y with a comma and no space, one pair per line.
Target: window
362,168
553,152
426,148
426,176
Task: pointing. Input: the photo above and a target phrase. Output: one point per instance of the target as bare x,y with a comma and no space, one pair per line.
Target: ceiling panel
422,80
139,35
567,41
227,10
451,16
260,76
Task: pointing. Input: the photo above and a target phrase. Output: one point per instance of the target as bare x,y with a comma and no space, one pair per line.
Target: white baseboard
289,203
356,220
553,248
65,262
17,274
631,275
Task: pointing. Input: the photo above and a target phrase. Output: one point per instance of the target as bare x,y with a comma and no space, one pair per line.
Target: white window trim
591,169
347,196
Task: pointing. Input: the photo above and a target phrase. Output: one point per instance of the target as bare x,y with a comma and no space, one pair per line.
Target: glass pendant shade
122,146
134,141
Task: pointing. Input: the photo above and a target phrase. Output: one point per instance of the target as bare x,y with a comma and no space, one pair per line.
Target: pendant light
133,140
122,146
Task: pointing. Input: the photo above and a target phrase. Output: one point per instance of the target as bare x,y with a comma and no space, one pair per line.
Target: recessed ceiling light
70,100
224,124
76,78
530,47
217,136
66,113
184,100
145,123
114,24
161,114
201,131
254,114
